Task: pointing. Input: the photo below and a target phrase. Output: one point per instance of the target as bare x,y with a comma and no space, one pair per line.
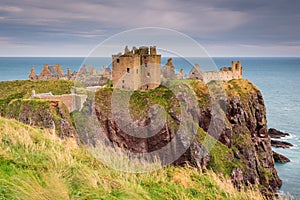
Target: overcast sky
223,27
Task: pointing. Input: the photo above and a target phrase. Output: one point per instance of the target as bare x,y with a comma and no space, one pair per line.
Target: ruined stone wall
45,73
227,74
217,76
72,101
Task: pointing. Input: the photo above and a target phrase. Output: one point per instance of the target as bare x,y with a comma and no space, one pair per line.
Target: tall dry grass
36,164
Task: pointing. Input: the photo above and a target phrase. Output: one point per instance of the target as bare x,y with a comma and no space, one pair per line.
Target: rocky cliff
53,115
243,147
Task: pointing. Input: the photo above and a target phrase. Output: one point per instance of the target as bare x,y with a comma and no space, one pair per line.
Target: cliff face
243,150
45,114
249,137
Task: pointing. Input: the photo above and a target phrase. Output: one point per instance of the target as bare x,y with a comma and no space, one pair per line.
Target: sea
277,77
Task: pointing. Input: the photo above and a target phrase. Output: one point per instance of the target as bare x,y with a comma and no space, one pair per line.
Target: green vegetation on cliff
241,87
221,157
22,89
36,164
242,147
52,115
34,160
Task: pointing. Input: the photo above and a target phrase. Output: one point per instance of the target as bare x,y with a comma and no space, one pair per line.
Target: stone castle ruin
55,72
168,71
140,69
136,69
72,101
225,73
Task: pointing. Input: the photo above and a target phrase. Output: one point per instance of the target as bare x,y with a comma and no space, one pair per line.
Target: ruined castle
55,72
225,73
141,69
51,72
136,69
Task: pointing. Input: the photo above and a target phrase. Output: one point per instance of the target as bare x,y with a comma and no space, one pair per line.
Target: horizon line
162,56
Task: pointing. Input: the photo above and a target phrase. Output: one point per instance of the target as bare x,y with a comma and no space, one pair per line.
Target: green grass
240,87
36,164
221,157
11,90
25,87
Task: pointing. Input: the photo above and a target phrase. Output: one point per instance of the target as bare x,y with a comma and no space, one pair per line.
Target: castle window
145,64
123,81
128,70
118,60
137,71
148,74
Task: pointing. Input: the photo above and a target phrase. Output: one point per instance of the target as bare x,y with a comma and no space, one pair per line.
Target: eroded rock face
245,135
44,114
250,138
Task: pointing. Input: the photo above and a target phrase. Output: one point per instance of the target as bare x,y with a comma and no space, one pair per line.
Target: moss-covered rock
241,147
52,115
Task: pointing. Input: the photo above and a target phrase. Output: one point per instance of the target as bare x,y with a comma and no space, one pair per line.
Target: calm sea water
277,78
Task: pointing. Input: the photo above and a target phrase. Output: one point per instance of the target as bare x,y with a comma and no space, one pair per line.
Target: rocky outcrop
273,133
249,137
280,158
52,115
280,144
243,150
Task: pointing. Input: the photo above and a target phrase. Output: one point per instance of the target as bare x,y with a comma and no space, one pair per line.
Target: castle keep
136,69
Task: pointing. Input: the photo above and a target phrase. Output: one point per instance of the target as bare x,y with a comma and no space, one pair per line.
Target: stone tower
137,69
237,70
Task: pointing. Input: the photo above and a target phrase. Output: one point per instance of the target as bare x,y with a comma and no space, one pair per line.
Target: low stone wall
72,101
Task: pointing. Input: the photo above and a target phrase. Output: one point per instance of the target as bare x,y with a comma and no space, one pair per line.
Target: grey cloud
211,22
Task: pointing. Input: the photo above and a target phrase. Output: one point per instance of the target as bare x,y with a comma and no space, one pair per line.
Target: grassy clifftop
35,164
22,89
